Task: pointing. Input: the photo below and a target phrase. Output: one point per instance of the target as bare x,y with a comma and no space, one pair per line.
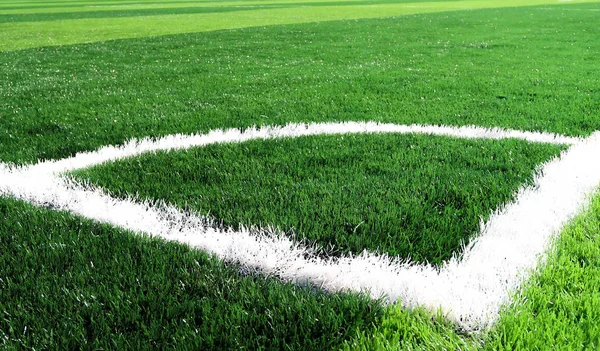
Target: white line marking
470,290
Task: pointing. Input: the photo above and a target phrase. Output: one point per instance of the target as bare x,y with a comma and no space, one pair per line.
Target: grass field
76,76
26,25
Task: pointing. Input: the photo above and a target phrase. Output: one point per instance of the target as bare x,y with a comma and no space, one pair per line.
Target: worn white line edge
469,290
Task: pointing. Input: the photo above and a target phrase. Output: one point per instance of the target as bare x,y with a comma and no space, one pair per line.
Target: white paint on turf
470,290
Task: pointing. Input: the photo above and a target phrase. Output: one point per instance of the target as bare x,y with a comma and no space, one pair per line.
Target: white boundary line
470,290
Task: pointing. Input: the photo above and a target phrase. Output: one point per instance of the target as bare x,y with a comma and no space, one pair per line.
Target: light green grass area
21,35
411,196
68,283
55,10
560,305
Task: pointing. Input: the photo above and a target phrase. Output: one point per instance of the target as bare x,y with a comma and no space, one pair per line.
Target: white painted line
470,290
180,141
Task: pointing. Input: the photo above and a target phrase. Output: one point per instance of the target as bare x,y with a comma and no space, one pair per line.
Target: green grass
557,309
436,69
530,68
21,35
405,195
67,283
560,306
65,12
417,329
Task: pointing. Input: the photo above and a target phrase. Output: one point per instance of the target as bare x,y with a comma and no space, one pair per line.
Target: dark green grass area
487,68
412,196
67,283
557,309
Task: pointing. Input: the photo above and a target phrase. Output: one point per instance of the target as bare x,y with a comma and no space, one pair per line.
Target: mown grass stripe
108,6
22,35
169,9
60,16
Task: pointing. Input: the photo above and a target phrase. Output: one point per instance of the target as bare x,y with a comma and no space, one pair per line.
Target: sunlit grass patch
560,305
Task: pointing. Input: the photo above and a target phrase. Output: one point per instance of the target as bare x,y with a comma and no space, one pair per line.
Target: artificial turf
531,68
